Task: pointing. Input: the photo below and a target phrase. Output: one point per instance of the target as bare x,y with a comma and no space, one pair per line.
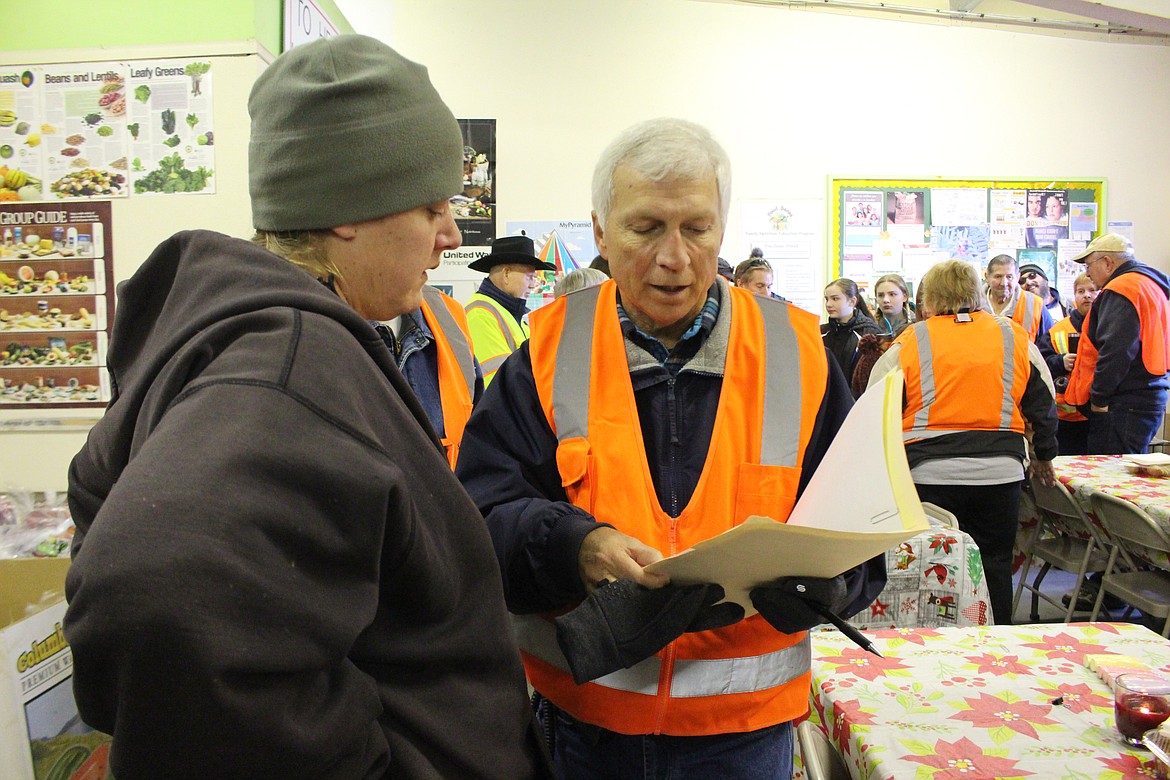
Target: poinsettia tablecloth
980,702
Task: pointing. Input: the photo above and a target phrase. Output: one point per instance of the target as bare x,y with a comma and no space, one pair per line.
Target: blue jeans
581,753
1125,429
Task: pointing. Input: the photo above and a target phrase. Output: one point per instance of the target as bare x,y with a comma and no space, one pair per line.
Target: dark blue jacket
1114,328
508,465
417,358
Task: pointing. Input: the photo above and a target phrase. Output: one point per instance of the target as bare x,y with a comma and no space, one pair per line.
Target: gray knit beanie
345,130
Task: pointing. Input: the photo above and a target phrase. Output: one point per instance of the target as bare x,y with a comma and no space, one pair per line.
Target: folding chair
1064,539
820,757
1147,589
939,516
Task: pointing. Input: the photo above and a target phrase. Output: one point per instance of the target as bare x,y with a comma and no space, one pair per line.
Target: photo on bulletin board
1047,218
906,208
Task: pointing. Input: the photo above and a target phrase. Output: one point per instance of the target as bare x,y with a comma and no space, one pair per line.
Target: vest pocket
575,462
769,491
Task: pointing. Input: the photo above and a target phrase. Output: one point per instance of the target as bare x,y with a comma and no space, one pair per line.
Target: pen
856,636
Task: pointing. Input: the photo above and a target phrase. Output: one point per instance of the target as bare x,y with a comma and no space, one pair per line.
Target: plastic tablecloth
980,702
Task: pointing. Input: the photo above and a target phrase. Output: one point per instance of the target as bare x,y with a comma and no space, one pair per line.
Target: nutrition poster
75,131
56,303
171,127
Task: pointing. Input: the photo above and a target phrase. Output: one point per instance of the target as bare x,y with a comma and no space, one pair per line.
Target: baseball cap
1106,242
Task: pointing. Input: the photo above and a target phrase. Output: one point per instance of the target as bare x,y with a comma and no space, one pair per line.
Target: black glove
622,623
790,604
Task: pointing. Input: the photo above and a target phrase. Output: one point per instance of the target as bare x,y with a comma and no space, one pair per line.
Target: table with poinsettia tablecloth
980,702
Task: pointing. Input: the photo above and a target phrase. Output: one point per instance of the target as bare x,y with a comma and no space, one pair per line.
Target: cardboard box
41,735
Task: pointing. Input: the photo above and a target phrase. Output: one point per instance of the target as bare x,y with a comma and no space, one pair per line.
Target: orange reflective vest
1028,313
1153,310
1059,337
740,678
963,376
448,324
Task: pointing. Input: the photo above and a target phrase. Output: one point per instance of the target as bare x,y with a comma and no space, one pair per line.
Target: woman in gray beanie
276,574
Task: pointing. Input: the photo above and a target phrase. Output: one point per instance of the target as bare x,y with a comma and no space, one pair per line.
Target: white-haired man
631,426
1120,374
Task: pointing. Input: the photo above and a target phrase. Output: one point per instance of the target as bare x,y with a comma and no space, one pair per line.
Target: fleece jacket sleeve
216,593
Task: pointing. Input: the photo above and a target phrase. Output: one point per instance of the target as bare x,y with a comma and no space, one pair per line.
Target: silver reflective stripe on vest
691,679
1029,312
1009,373
925,375
499,320
782,388
570,392
711,677
454,334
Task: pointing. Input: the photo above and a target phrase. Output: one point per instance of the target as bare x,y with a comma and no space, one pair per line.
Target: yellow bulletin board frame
1079,191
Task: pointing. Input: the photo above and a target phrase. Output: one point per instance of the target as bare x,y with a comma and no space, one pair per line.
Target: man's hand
1042,471
1098,409
790,603
607,555
1069,361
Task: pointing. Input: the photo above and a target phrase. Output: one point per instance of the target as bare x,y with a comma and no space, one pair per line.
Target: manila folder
860,502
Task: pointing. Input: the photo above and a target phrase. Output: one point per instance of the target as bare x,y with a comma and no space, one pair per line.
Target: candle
1137,713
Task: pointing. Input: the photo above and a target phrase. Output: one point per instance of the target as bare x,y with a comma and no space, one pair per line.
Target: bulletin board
880,226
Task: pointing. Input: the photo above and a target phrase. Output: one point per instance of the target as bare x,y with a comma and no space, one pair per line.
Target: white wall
795,96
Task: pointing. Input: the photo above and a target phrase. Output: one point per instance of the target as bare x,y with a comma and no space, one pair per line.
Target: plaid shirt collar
674,359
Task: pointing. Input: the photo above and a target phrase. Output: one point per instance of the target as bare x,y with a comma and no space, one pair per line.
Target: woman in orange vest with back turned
972,380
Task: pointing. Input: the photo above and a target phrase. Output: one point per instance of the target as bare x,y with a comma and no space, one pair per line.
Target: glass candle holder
1140,703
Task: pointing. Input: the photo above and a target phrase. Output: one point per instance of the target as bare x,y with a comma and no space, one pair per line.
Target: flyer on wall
790,233
958,206
1067,269
83,130
171,126
969,243
566,243
56,263
475,207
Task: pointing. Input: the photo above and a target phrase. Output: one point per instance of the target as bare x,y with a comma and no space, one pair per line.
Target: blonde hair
303,248
900,283
1082,278
951,286
578,279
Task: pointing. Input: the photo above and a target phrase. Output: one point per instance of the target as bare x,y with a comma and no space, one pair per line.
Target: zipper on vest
672,409
664,678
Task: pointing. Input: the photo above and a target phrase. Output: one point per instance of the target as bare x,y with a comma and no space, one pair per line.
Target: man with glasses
1120,372
1034,280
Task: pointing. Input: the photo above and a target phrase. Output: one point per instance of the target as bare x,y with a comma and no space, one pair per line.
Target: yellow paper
860,502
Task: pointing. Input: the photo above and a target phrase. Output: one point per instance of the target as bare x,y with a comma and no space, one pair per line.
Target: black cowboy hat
511,249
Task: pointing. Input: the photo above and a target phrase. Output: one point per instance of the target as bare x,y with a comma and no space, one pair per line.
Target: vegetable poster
105,130
170,126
